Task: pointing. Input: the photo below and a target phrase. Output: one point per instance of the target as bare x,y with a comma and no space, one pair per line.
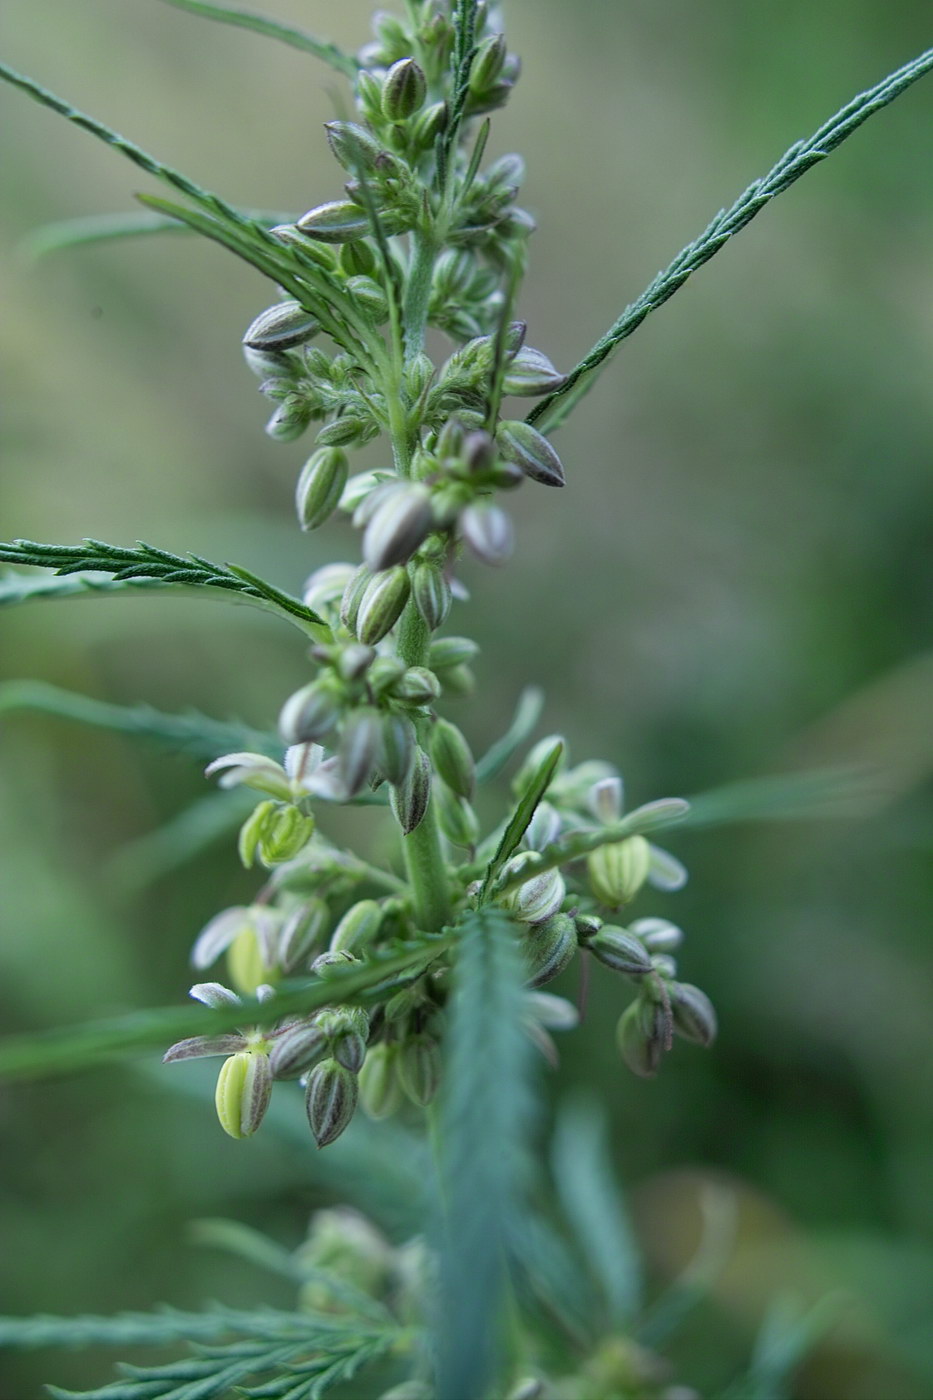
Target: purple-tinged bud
381,605
320,486
487,530
358,927
330,1100
403,91
281,327
398,526
618,870
519,442
621,950
694,1013
419,1068
410,799
359,744
396,749
380,1090
296,1049
451,756
242,1095
508,171
311,713
431,593
531,373
548,948
336,222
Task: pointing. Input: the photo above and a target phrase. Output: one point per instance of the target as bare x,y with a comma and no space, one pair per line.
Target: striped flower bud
289,420
451,756
330,1100
380,1090
358,927
285,833
417,686
457,818
370,298
302,930
359,745
488,531
281,327
446,652
353,592
345,431
530,373
410,798
403,91
336,222
621,950
419,1068
519,442
250,963
538,898
325,587
355,148
242,1094
396,748
320,486
311,713
384,674
618,870
431,593
487,64
296,1049
429,124
397,527
548,948
642,1035
381,605
658,935
694,1013
350,1050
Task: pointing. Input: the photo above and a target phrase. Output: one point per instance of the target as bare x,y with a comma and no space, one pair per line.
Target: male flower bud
618,870
295,1049
538,898
359,744
281,327
621,950
397,527
429,124
431,592
642,1037
357,259
320,486
451,756
311,713
446,652
336,222
303,928
410,798
416,686
458,820
251,963
380,1090
487,530
543,828
403,91
530,373
242,1095
548,948
487,64
519,442
693,1012
658,935
396,747
353,591
344,431
355,149
330,1100
419,1068
381,605
289,420
328,965
370,298
358,927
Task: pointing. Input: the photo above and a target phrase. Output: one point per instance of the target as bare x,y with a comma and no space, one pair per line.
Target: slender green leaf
665,1315
24,588
158,565
789,1332
813,795
66,1050
273,29
553,410
191,733
484,1120
527,713
595,1208
141,1329
517,825
105,228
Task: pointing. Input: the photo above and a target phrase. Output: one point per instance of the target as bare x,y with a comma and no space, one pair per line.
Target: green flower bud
357,259
548,948
289,420
358,927
359,745
643,1035
621,950
458,820
429,124
350,1050
617,871
397,527
242,1095
488,63
353,595
344,431
355,148
380,1090
457,682
658,935
285,832
403,91
451,756
419,1068
303,928
419,373
246,966
381,605
417,686
251,831
431,593
446,652
384,674
410,798
487,530
330,1100
327,965
296,1049
320,486
336,222
396,748
588,925
311,713
281,327
519,442
693,1012
531,373
538,898
371,299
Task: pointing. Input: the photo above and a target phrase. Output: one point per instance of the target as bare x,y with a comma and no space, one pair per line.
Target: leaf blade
272,29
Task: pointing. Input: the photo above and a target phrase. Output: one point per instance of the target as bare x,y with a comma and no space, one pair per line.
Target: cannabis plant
410,982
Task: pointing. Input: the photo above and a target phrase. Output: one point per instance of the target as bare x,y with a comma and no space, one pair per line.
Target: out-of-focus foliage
748,506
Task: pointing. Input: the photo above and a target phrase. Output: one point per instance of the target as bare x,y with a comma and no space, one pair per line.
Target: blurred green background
736,581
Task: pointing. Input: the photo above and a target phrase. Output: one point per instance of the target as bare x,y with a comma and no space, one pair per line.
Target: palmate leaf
552,411
272,29
484,1121
190,733
157,567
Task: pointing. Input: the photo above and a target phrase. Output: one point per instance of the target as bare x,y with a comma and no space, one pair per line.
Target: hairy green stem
418,293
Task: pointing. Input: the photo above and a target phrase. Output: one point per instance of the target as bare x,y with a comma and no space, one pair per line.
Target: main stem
424,859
